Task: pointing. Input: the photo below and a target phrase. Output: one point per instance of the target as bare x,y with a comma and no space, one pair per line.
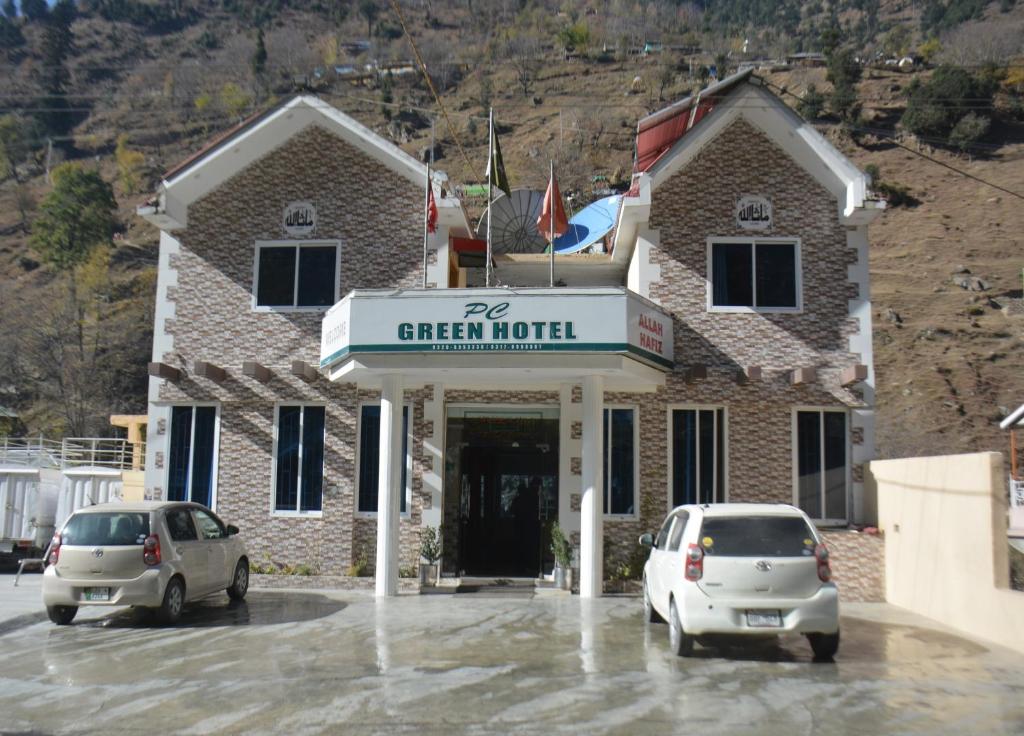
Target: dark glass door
509,496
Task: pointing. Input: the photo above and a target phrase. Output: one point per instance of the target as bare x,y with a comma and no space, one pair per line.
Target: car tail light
694,562
151,550
824,567
54,550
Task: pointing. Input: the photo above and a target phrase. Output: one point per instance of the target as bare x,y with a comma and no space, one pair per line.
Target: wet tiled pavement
302,662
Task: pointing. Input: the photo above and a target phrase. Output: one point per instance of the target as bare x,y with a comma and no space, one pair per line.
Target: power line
958,171
926,157
889,134
204,64
430,84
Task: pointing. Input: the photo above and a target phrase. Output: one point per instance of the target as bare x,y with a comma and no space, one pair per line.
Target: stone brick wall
214,322
376,216
697,203
858,564
374,212
693,205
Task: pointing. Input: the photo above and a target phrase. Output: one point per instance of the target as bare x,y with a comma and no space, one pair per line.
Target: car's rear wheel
174,600
679,640
824,646
650,615
61,615
240,581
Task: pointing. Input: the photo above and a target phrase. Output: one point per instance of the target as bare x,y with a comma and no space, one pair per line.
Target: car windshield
119,528
757,536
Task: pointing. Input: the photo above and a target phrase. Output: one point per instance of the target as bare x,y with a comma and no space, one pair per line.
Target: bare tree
290,50
985,42
73,352
441,63
524,56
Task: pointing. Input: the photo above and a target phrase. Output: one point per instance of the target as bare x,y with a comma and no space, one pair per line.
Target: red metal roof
657,133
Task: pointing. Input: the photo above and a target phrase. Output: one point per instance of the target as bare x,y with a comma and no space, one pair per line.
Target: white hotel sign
603,320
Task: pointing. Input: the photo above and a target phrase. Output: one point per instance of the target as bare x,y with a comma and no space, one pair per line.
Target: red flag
431,211
544,221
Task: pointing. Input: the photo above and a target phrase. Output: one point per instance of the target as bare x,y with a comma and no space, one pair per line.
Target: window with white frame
697,455
620,461
296,275
191,464
821,463
299,459
369,457
755,274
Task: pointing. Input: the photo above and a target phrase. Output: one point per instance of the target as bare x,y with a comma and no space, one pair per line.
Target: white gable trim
229,158
786,129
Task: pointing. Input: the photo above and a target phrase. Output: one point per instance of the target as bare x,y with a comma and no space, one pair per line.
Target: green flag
495,164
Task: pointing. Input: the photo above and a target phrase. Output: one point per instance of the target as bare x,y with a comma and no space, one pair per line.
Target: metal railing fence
71,452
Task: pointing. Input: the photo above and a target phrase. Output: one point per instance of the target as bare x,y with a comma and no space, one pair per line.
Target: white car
743,570
150,554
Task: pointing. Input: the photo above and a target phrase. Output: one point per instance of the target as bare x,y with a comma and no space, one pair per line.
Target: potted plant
562,551
430,550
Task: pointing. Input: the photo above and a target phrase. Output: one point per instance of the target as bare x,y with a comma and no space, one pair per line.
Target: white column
592,507
389,479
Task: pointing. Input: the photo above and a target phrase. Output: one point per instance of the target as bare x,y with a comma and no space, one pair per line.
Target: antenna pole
490,177
551,233
426,224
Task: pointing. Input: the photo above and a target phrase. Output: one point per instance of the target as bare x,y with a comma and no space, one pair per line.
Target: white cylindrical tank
28,504
46,511
86,486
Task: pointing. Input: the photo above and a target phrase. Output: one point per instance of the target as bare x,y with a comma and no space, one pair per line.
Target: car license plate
764,618
96,594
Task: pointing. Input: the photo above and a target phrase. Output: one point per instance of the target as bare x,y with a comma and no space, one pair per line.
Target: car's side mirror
232,530
647,540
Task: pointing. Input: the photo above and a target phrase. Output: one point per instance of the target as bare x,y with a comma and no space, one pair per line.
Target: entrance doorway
505,470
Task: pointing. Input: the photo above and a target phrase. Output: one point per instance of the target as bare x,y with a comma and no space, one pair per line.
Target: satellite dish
514,228
589,225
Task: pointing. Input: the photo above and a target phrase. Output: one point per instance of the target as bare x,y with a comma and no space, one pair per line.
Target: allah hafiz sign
299,218
754,213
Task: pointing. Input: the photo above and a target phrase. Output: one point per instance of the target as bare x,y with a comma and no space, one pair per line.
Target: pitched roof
659,131
669,139
228,153
222,139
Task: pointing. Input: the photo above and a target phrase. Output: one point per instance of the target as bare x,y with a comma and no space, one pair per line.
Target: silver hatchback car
151,554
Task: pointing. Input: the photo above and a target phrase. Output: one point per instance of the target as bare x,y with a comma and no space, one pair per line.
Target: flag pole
551,233
426,224
490,177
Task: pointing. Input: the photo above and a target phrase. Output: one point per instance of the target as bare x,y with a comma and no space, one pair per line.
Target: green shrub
360,567
935,107
844,72
970,129
812,104
560,547
896,195
430,545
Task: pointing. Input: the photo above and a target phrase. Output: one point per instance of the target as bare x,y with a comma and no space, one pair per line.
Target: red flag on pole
431,210
552,221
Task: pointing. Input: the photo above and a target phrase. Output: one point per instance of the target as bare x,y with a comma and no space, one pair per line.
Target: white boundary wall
945,521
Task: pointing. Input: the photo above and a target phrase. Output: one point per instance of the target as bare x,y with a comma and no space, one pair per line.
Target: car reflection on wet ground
339,662
258,609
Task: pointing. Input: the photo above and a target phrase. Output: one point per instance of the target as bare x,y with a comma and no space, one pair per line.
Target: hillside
171,77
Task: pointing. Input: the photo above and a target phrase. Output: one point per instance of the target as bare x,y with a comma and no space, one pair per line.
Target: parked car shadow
862,641
258,609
